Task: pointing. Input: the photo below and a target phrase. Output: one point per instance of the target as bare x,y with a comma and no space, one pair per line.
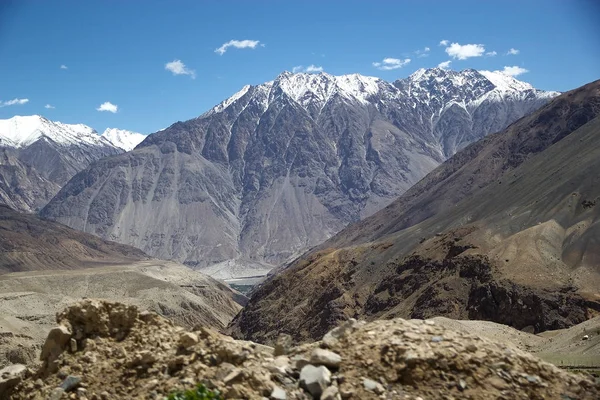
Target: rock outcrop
116,352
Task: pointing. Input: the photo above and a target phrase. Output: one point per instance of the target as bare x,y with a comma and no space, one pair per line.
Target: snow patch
123,139
22,131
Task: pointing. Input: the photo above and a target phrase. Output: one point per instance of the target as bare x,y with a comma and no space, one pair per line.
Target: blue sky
117,51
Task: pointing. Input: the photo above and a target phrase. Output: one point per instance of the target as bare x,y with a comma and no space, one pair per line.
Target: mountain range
505,230
280,167
39,156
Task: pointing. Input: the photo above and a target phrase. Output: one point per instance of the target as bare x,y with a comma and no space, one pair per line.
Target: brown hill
30,243
503,231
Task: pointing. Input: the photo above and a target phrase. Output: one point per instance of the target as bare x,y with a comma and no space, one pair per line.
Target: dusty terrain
104,350
29,301
562,347
504,231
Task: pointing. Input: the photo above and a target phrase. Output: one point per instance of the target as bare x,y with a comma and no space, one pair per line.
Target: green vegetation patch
201,392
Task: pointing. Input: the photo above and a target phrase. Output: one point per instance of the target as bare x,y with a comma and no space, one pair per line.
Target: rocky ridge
103,350
39,156
502,231
281,166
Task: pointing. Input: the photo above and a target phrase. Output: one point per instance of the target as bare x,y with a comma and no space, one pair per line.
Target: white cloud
513,71
445,64
108,106
391,63
63,66
13,102
314,68
311,68
462,52
177,67
444,42
512,52
49,106
238,44
423,53
491,54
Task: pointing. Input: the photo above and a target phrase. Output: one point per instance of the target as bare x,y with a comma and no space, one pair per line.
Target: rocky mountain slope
29,243
503,231
29,301
279,167
104,350
123,139
38,156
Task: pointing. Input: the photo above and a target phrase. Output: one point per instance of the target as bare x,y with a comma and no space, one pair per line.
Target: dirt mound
103,350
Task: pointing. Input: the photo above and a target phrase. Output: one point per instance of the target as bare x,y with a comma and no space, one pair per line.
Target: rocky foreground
102,350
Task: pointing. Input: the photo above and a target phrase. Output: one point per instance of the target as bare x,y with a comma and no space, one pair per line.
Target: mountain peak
23,130
122,138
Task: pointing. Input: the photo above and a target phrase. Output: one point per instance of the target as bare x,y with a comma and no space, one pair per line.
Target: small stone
332,337
187,340
315,379
429,322
373,386
346,392
278,393
70,383
283,345
331,393
471,348
299,362
105,395
462,384
144,358
233,376
73,344
81,391
498,383
412,336
56,394
55,343
10,377
437,339
280,365
326,358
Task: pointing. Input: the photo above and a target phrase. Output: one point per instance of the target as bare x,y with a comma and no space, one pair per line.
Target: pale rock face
279,167
38,156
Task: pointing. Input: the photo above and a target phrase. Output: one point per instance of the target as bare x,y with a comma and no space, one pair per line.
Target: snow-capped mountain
39,156
123,139
281,166
22,131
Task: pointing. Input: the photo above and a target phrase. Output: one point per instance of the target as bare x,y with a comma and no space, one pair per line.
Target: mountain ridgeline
505,230
279,167
39,156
